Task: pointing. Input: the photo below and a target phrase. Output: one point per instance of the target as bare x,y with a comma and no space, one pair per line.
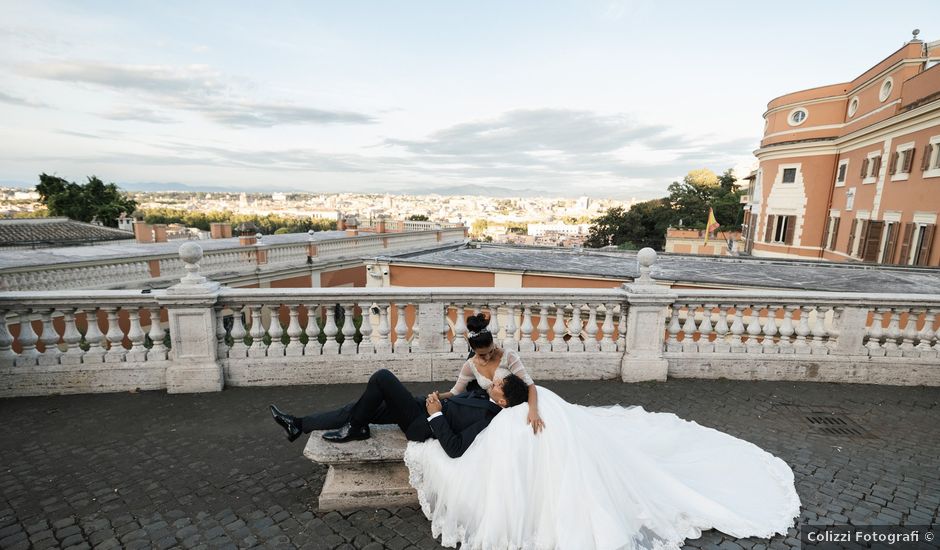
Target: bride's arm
516,367
463,378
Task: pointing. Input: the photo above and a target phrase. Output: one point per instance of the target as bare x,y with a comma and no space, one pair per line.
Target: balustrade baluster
239,332
893,334
348,347
276,331
876,333
754,329
927,334
116,351
526,343
330,330
312,330
721,330
28,338
800,346
910,331
688,329
737,329
575,343
50,340
366,346
770,330
705,330
558,338
461,345
95,338
294,347
835,328
71,337
607,329
493,325
157,351
384,343
622,327
401,330
672,344
590,331
542,343
818,343
510,342
257,332
136,335
221,346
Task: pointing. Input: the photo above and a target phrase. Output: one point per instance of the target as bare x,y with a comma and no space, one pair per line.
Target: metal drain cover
828,421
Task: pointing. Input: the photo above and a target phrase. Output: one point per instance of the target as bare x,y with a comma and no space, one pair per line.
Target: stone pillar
380,225
143,233
261,254
430,322
646,321
192,322
159,233
851,329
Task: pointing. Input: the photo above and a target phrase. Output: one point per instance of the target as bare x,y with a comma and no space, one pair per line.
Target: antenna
915,32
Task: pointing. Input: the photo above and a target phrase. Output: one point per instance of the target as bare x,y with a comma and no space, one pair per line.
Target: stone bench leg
352,486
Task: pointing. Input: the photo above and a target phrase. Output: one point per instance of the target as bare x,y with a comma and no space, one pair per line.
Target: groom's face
496,392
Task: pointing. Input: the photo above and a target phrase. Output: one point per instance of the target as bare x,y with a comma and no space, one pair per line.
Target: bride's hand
535,421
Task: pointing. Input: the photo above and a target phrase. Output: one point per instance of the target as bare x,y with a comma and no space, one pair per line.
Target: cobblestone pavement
152,470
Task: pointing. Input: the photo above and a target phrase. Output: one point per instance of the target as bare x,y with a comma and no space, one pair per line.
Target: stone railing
147,270
115,340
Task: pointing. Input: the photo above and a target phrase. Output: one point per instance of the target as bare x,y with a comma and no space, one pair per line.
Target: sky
608,99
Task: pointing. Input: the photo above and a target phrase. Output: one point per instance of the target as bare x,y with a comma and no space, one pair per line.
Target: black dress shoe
348,433
288,422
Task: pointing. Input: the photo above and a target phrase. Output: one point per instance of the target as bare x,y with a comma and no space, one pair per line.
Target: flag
712,225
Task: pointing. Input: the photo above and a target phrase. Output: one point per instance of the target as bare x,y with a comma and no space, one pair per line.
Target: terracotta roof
55,231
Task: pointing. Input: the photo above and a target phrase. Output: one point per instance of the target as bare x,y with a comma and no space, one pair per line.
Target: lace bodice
509,363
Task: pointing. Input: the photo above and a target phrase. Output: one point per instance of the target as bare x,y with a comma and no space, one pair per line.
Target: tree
94,200
643,225
418,218
478,227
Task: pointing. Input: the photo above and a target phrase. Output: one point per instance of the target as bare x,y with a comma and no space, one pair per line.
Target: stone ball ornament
646,257
190,253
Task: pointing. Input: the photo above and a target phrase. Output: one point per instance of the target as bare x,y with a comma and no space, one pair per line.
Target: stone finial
310,233
646,257
191,253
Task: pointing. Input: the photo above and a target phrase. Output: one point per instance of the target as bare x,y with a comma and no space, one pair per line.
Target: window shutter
925,162
848,249
909,160
790,229
863,236
873,241
835,234
890,246
923,255
893,169
825,239
906,243
877,169
769,233
864,169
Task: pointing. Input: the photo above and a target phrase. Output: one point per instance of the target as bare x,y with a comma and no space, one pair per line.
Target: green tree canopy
93,200
418,218
269,224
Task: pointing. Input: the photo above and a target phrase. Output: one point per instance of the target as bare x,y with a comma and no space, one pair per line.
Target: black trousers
385,401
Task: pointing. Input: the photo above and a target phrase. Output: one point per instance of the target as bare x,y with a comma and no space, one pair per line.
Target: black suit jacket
464,417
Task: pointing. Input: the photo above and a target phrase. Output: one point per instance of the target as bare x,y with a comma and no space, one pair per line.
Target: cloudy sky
607,98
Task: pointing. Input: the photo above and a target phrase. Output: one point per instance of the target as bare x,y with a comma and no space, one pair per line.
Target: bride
594,477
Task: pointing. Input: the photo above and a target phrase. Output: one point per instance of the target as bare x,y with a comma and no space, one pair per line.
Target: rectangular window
842,168
789,175
782,229
907,158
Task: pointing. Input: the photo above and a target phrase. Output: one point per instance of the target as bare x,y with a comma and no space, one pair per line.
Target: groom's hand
433,403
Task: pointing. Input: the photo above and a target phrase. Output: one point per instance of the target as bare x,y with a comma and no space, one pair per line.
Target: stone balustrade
199,336
151,269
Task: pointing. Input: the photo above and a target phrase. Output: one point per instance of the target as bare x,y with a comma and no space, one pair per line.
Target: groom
454,422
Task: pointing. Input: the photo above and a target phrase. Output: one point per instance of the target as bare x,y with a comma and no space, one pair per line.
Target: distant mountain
157,187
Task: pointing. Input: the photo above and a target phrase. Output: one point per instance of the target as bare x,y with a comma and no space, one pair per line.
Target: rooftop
158,470
720,272
55,231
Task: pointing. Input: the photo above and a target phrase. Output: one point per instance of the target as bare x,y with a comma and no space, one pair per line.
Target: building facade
851,171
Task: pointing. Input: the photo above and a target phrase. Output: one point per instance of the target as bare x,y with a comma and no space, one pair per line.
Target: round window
886,87
853,106
797,117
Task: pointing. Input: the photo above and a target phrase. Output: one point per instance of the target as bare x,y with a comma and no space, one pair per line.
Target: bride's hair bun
477,322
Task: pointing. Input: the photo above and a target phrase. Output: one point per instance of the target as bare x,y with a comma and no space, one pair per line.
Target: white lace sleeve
463,378
514,363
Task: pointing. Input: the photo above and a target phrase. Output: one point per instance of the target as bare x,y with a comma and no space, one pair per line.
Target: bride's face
485,354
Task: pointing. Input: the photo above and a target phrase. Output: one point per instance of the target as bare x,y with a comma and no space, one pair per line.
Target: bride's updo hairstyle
478,335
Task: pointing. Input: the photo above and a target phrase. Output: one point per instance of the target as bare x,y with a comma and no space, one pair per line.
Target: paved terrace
143,470
720,272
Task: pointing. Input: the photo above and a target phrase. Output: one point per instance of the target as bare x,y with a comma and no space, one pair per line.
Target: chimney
159,233
352,226
380,225
143,233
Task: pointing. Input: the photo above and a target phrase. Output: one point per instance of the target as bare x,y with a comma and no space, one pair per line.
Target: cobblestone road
151,470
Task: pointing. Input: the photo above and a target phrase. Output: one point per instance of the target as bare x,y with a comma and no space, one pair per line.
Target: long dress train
599,478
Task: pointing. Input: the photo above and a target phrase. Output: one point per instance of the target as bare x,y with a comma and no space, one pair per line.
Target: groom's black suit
387,401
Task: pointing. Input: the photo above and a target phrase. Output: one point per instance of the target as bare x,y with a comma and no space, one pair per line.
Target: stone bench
363,474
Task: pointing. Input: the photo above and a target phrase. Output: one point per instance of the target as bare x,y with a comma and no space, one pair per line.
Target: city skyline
604,99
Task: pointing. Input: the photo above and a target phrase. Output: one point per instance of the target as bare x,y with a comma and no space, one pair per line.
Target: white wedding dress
599,478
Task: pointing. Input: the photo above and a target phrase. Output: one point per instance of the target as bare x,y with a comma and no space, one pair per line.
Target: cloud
141,114
19,101
196,88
